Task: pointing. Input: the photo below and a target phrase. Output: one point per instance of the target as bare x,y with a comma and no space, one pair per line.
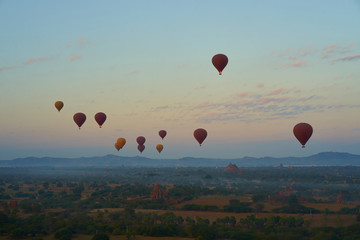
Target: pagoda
232,168
157,193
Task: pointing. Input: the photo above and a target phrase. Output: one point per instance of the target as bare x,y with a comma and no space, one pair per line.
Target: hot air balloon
140,140
59,105
100,118
303,132
117,146
159,147
141,148
79,118
121,142
200,135
220,61
162,134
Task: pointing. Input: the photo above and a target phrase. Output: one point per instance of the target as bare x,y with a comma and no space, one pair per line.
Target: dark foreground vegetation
254,203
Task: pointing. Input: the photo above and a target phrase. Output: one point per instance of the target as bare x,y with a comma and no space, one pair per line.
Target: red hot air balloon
162,134
100,118
79,118
303,132
220,61
141,148
200,135
140,140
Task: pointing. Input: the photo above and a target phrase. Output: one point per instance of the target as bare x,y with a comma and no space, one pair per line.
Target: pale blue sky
147,65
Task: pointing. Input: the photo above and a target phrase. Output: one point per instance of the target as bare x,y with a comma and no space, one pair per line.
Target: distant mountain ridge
320,159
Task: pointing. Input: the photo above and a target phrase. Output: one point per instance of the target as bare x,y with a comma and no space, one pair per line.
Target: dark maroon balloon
79,119
162,134
220,61
200,134
141,148
140,140
100,118
303,132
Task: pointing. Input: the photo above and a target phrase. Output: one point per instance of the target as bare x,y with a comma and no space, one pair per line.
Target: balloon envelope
303,132
159,147
121,142
141,148
79,118
200,134
117,146
162,133
59,105
140,140
220,61
100,118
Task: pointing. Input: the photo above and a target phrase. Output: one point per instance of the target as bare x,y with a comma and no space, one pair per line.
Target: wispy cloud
6,68
298,64
248,106
347,48
260,85
299,57
162,107
214,116
268,110
329,50
294,54
277,91
347,58
295,64
334,50
181,66
305,51
205,105
267,100
75,57
159,108
40,59
255,106
200,87
137,71
82,41
243,94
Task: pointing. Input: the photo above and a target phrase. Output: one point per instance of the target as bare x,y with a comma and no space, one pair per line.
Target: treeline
66,225
83,195
311,183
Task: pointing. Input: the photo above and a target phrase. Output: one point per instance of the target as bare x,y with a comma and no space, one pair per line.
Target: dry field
331,206
315,220
88,237
216,200
221,201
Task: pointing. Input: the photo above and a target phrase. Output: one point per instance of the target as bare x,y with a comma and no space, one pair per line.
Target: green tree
100,236
63,234
259,207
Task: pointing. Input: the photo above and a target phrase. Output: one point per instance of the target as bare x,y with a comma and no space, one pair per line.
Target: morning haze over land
179,120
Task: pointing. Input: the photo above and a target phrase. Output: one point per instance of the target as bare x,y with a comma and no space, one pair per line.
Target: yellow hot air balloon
121,142
59,105
159,147
117,146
